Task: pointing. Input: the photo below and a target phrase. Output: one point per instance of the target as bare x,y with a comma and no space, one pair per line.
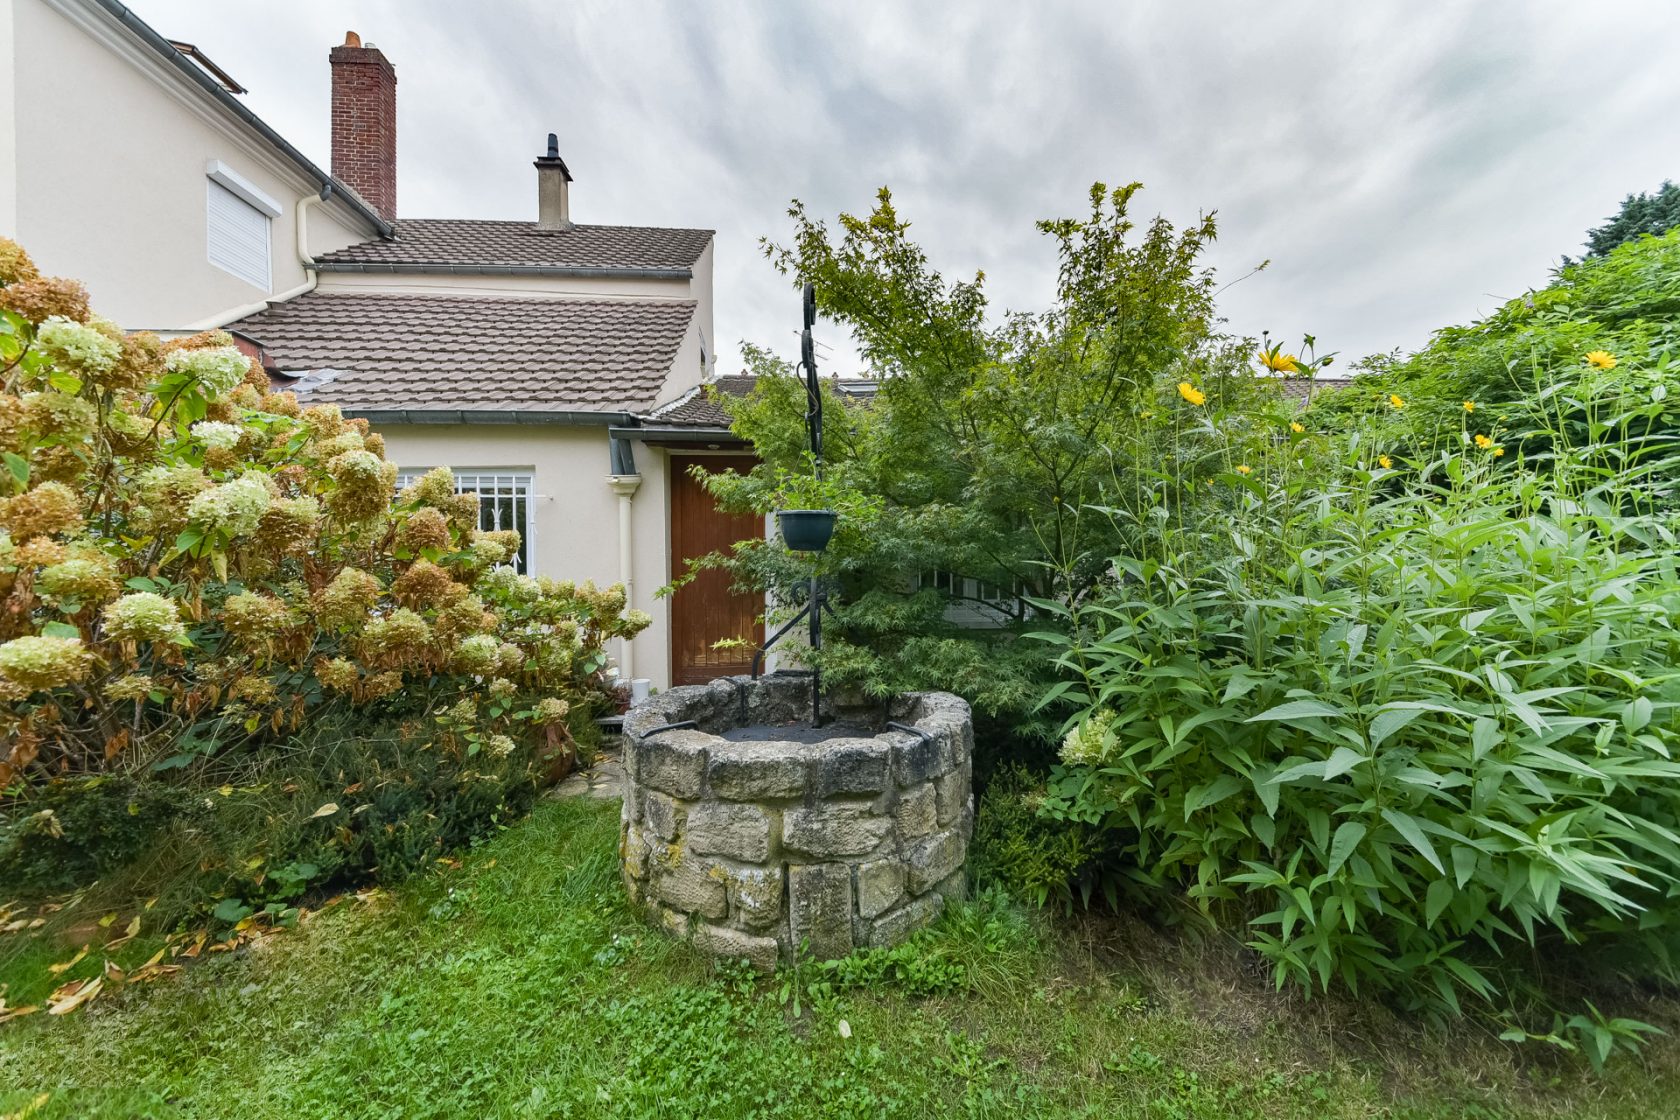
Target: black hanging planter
806,530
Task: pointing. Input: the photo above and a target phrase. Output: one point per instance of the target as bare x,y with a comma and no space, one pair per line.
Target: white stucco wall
574,512
110,146
8,118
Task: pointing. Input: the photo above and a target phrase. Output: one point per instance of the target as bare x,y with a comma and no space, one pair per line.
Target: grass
520,985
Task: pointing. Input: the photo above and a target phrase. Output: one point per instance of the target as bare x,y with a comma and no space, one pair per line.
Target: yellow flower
1295,426
1498,451
1190,393
1384,462
1244,468
1601,359
1469,406
1395,400
1483,442
1279,362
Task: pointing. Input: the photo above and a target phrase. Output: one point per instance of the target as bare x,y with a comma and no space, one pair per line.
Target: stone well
753,834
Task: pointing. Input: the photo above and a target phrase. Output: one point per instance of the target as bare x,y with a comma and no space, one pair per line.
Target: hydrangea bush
191,563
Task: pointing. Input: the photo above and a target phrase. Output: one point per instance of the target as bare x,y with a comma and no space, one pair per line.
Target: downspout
300,226
625,486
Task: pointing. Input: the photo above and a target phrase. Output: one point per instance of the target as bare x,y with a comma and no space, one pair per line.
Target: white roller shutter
238,236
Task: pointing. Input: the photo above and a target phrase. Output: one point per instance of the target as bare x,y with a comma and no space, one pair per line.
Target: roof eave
143,31
675,435
575,418
408,268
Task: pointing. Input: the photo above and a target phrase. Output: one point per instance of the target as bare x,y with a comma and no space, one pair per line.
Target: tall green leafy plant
984,444
1397,719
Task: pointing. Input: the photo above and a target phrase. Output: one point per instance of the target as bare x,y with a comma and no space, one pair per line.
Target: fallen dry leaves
182,946
8,1012
67,997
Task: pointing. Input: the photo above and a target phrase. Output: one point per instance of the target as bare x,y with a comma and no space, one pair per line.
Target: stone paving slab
603,780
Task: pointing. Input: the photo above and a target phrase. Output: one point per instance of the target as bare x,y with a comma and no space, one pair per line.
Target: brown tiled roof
701,408
474,354
465,244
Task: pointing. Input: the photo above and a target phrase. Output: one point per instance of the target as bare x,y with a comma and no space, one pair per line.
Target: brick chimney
364,123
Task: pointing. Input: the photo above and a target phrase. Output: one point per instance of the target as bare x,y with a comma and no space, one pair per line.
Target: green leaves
1299,709
1393,730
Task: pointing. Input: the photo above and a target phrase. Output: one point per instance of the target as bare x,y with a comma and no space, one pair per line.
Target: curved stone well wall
756,847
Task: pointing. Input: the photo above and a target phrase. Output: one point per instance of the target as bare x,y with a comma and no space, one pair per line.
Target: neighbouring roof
468,245
418,353
1300,388
702,407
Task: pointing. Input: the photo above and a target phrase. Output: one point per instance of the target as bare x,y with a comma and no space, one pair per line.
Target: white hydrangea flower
499,746
41,662
143,617
235,506
1084,744
218,369
478,654
216,435
77,345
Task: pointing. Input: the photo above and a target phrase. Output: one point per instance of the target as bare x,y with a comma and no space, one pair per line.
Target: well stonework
753,849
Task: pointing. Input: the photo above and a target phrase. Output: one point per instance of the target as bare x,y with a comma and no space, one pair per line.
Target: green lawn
521,986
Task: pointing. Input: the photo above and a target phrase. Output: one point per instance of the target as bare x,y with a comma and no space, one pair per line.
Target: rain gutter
580,273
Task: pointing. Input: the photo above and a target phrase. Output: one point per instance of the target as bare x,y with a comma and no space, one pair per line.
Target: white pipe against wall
312,277
625,486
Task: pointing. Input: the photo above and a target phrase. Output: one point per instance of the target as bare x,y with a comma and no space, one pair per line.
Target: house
554,364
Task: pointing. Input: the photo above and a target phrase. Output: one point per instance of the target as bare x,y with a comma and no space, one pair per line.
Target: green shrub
79,829
1401,722
1522,366
977,945
198,576
192,564
1043,860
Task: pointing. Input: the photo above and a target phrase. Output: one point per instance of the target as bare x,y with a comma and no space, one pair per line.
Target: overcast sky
1403,165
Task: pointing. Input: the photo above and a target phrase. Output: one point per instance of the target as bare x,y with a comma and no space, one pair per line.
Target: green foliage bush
980,450
1402,719
197,575
1043,860
78,830
1522,366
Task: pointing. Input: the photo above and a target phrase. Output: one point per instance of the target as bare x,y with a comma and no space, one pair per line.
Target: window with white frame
504,502
238,225
975,602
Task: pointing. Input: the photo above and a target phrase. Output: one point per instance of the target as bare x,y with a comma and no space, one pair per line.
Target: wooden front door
706,610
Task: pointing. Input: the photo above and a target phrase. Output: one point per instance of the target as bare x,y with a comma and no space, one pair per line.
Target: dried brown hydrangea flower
364,483
40,299
255,619
425,528
337,675
424,585
50,508
282,404
15,264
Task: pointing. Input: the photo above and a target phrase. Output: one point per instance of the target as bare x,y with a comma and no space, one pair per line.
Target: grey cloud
1404,166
